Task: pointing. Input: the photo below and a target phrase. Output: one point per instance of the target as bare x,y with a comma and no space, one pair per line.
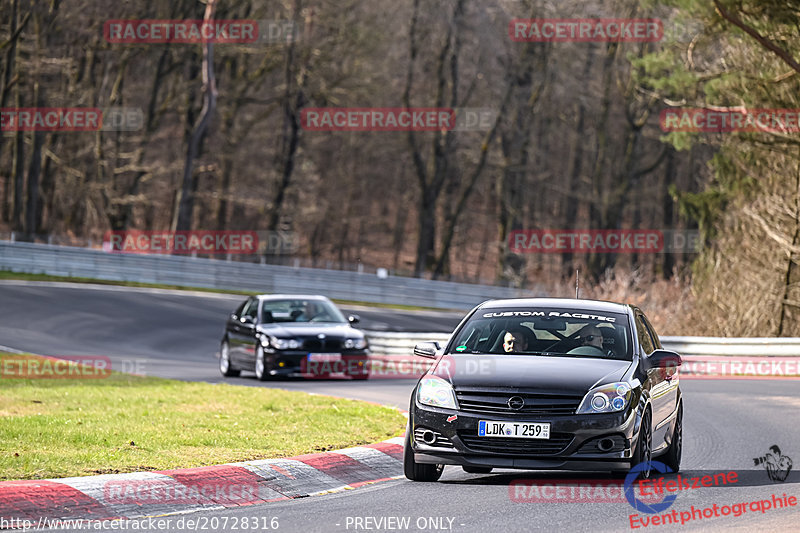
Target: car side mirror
664,359
354,319
427,349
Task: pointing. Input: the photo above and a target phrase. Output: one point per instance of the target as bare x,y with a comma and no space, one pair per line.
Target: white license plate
515,430
324,357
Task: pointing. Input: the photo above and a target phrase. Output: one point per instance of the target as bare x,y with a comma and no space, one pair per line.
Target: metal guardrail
386,343
231,275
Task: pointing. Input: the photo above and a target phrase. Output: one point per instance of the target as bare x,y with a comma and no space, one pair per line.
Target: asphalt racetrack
728,423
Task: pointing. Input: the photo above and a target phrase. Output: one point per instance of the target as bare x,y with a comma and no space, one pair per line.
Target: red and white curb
143,494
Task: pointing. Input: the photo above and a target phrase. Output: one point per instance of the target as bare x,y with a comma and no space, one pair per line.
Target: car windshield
546,332
300,310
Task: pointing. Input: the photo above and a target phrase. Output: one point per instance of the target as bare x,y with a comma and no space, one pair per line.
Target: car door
669,376
248,321
232,327
241,327
655,376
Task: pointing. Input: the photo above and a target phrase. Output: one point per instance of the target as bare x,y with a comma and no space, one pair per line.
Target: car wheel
261,365
644,446
414,470
673,456
477,469
225,365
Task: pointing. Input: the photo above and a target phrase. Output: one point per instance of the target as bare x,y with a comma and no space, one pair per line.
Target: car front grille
552,446
534,403
322,345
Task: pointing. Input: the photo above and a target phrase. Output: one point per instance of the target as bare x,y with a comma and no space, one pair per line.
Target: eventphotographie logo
775,463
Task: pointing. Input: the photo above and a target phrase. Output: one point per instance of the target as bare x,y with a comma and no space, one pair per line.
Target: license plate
324,357
515,430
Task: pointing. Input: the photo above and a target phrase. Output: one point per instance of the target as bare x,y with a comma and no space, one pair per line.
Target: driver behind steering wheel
591,341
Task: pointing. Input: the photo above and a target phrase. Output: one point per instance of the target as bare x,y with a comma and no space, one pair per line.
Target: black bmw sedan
546,384
286,335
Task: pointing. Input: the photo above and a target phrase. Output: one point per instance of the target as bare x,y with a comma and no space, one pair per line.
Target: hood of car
571,375
300,330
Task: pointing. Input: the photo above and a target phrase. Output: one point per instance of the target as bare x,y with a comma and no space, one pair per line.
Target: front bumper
573,443
296,363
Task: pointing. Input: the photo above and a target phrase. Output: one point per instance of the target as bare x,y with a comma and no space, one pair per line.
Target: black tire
226,368
644,446
260,366
416,471
673,456
477,469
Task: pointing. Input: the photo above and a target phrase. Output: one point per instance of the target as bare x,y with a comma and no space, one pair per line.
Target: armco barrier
231,275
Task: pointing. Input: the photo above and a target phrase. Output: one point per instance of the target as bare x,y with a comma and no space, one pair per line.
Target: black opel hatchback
546,384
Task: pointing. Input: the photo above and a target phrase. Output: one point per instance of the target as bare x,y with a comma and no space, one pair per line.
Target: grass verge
58,427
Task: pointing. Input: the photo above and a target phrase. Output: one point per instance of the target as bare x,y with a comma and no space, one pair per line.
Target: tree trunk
18,169
5,91
576,164
186,202
33,211
290,140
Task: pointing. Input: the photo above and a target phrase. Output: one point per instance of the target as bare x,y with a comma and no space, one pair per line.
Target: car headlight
436,392
283,344
608,398
355,344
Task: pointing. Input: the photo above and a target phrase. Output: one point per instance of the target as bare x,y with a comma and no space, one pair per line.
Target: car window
300,310
251,308
238,311
652,331
544,331
645,341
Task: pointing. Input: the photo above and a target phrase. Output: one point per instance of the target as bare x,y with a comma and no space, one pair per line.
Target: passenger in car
516,339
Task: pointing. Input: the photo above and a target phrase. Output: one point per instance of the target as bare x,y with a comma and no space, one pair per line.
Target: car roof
291,297
563,303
